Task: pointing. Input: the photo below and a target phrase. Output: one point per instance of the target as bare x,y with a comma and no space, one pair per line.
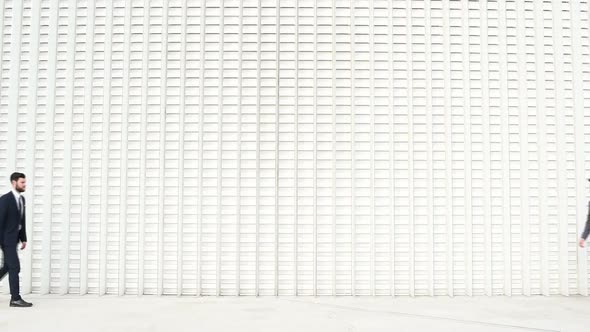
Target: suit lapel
15,206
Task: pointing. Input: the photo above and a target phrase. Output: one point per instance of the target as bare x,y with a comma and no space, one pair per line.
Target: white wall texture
329,147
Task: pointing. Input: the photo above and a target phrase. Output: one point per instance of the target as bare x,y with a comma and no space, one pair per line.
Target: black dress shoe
20,304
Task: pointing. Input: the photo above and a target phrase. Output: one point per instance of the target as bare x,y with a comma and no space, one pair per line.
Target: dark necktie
21,207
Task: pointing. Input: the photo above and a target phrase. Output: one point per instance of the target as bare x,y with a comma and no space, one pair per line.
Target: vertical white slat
322,156
487,190
78,110
398,156
143,143
418,149
295,154
334,149
230,215
191,145
315,151
506,215
105,152
524,185
277,149
67,159
230,104
372,246
47,208
381,91
580,160
513,92
542,132
133,149
468,155
353,148
410,80
448,149
123,202
532,156
14,74
239,161
494,143
296,157
343,118
371,226
95,139
201,145
258,88
452,60
473,115
59,192
561,157
435,31
211,140
242,177
131,137
162,134
328,218
86,184
458,147
429,147
342,150
172,166
301,133
268,145
391,153
220,122
289,123
27,272
181,149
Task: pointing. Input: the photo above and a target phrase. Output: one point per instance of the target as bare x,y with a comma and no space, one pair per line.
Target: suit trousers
12,267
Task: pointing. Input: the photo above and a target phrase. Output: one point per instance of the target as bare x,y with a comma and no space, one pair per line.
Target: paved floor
325,314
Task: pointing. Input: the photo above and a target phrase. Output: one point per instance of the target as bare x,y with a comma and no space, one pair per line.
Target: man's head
18,181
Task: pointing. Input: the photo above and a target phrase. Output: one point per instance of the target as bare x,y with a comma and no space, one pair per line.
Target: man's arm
22,234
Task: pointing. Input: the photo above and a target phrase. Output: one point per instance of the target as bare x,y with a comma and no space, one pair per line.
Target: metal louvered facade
299,147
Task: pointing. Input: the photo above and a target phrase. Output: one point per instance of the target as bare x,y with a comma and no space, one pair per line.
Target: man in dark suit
12,230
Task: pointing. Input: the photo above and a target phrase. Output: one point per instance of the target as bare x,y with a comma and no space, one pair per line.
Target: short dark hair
15,176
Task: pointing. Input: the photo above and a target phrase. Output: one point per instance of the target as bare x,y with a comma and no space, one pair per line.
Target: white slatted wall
329,147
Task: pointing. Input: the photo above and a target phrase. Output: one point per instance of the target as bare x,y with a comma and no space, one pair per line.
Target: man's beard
20,190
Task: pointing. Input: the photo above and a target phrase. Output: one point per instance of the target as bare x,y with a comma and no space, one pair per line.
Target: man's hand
582,243
23,245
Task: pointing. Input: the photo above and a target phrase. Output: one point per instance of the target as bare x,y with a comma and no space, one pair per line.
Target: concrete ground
325,314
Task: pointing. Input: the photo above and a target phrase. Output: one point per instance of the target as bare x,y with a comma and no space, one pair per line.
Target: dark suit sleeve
3,213
22,235
587,228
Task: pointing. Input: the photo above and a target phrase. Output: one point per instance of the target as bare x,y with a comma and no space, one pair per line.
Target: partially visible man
586,229
13,230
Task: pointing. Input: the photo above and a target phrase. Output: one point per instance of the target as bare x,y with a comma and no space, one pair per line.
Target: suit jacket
10,220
